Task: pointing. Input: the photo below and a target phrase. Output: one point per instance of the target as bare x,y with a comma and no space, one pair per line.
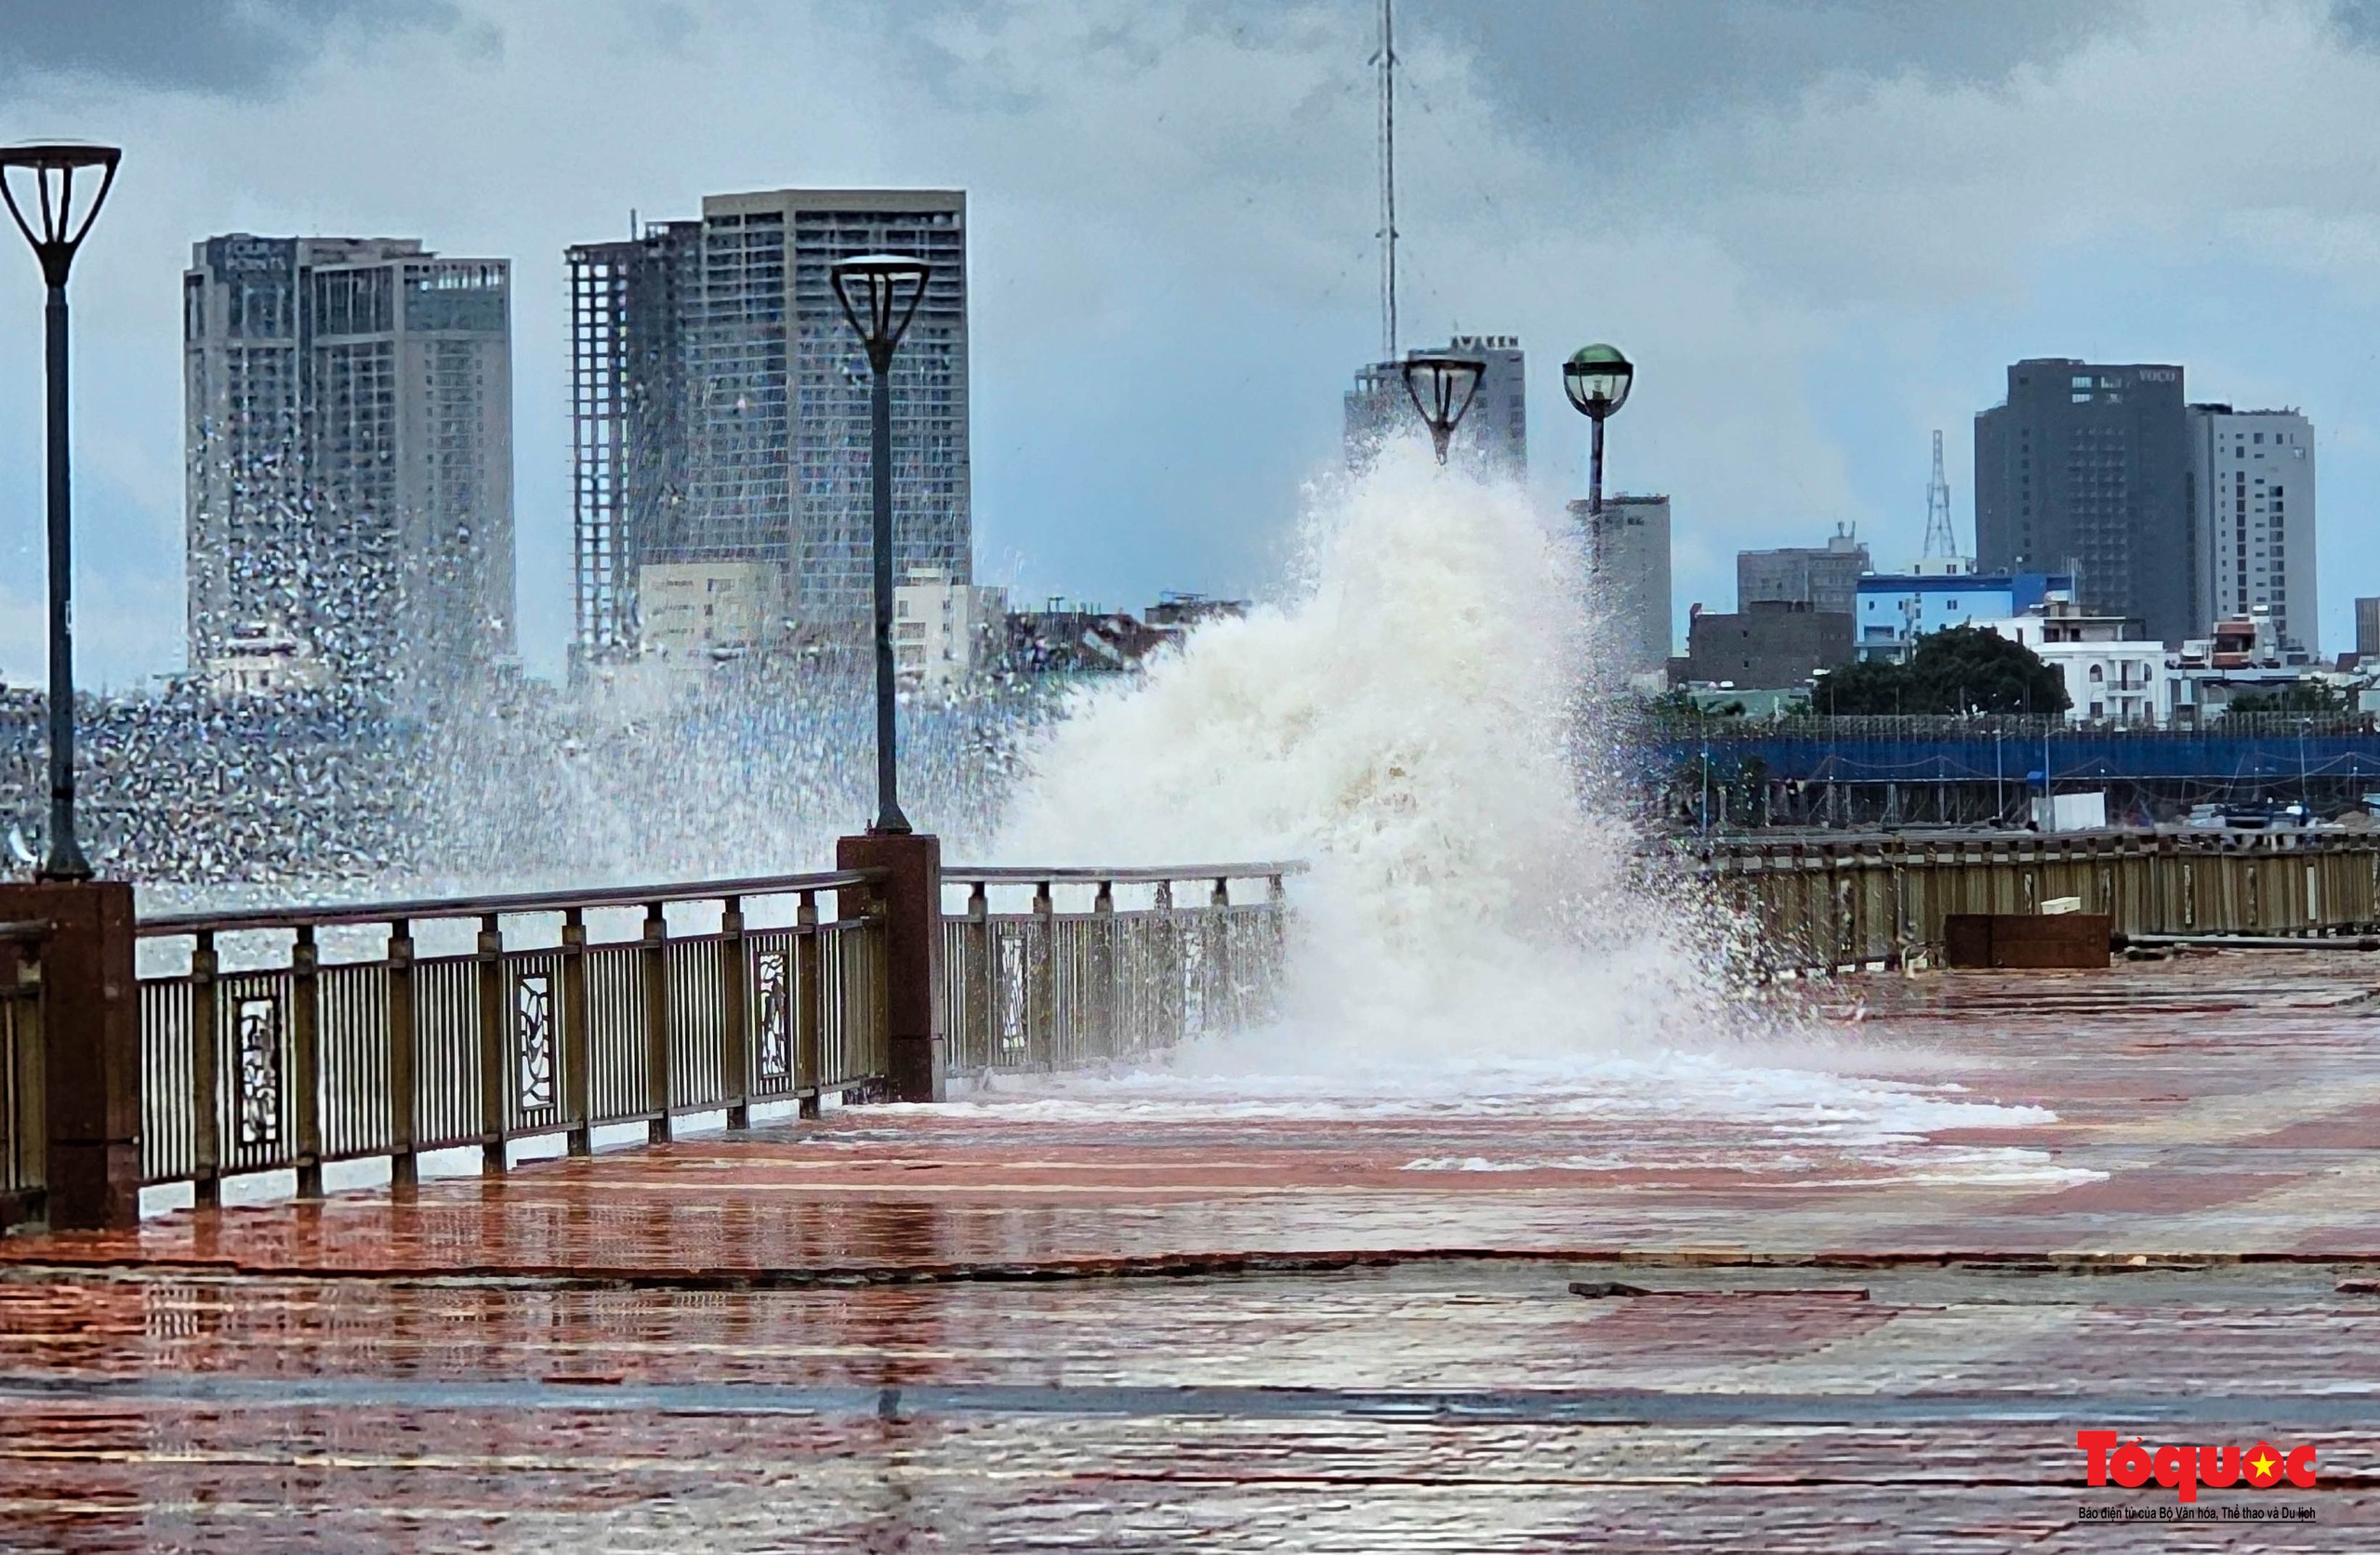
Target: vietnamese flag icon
2262,1468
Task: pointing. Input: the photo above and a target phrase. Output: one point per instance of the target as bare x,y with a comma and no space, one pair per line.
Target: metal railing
24,1132
290,1039
305,1061
1847,903
1043,989
1847,727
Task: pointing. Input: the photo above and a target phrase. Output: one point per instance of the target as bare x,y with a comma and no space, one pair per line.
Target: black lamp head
880,294
40,180
1441,387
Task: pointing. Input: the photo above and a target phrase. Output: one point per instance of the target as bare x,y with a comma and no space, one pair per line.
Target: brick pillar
912,952
90,1050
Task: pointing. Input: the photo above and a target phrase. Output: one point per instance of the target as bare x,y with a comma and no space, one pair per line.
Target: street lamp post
1442,388
880,294
55,235
1597,379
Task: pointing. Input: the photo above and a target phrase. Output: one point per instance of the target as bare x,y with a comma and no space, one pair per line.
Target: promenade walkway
1129,1321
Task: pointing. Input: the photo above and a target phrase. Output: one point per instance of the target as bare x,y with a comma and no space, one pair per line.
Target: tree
1959,669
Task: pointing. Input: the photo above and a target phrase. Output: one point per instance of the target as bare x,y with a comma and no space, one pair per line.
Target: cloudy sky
1822,228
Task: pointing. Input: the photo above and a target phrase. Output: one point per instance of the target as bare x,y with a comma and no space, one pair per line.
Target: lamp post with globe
1597,379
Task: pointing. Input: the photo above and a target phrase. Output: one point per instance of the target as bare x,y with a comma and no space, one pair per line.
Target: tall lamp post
1597,378
57,232
880,294
1442,388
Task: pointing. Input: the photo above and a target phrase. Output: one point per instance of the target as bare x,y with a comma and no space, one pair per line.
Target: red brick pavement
722,1343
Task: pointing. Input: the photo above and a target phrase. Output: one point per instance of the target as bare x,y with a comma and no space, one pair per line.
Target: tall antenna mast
1386,61
1940,540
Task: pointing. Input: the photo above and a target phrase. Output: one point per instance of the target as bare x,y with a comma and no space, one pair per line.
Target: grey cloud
2358,22
1574,75
217,48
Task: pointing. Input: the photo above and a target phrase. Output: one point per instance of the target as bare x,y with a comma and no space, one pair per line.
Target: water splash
1483,920
1411,724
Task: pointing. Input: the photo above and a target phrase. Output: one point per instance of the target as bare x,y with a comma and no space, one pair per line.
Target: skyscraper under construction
720,415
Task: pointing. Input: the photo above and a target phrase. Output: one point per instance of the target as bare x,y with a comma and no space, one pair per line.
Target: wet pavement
1124,1320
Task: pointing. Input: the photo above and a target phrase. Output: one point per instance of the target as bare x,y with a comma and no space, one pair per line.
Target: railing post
1041,983
977,1028
1223,990
495,1044
1172,1012
656,1022
90,1057
1102,974
912,896
808,1004
578,1051
205,1114
734,1017
404,1166
1276,941
306,1060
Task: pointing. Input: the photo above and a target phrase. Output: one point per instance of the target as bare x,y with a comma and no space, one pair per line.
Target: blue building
1895,609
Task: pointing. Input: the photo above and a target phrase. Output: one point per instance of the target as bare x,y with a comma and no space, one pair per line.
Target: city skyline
1151,393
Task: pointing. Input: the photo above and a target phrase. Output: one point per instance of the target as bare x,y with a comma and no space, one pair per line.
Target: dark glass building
2086,470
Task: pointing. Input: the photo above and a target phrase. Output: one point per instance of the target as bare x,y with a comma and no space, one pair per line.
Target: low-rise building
944,632
263,658
1824,577
1071,637
1178,612
1768,644
1895,609
2114,673
723,608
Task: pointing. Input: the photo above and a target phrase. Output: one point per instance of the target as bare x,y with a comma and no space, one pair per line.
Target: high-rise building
349,449
719,410
2252,497
1628,559
1824,577
2085,469
2367,628
1492,439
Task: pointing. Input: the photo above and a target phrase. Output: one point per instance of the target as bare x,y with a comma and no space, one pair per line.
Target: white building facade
944,631
2252,521
1628,560
2110,678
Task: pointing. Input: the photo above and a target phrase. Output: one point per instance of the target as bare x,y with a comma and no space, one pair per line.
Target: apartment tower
720,415
2086,469
349,451
2252,497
